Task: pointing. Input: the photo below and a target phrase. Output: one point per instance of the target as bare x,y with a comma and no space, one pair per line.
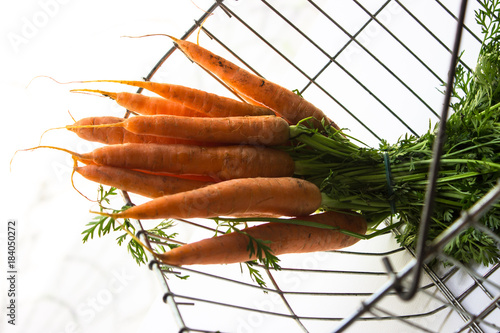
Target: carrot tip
95,92
102,214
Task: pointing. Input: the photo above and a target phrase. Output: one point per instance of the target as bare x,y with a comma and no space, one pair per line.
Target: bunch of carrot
275,158
201,155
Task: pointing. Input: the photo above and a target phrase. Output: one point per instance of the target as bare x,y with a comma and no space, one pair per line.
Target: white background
66,286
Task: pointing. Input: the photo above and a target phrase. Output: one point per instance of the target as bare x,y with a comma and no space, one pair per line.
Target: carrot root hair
74,155
150,35
96,92
71,116
44,76
47,130
56,148
37,147
75,165
70,127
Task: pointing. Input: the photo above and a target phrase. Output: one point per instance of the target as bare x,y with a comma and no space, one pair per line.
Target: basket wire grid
448,299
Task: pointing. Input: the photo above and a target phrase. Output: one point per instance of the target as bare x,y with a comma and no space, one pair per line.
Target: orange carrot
211,104
147,185
119,135
219,162
260,130
253,88
282,237
200,178
147,105
281,196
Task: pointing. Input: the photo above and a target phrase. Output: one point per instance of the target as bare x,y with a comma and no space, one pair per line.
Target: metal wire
371,307
434,167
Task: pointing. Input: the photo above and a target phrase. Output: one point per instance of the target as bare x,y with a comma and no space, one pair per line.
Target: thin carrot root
72,118
47,130
148,35
39,146
75,165
104,93
44,76
80,157
72,127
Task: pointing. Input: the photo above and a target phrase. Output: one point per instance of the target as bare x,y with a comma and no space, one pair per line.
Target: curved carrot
219,162
281,238
260,130
253,88
282,196
145,184
118,135
211,104
147,105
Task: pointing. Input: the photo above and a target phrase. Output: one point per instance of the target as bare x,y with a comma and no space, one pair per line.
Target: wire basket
375,68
